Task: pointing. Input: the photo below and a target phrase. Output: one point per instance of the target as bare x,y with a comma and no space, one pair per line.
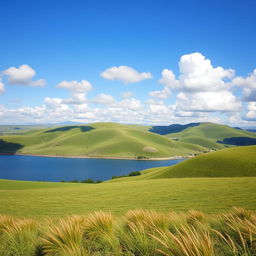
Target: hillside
232,162
96,140
211,135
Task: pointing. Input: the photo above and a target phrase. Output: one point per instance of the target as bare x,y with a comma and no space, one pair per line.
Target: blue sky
148,62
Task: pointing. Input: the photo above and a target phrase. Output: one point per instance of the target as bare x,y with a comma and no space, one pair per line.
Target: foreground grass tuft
138,233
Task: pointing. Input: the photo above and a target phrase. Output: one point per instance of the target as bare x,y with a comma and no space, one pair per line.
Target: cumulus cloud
248,84
127,95
198,74
251,114
125,74
169,80
23,75
103,99
223,101
1,86
77,89
163,94
75,86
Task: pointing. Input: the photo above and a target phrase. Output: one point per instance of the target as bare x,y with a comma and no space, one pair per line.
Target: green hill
210,135
117,140
97,140
232,162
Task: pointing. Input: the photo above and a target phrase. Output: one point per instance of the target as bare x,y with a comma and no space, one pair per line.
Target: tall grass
138,233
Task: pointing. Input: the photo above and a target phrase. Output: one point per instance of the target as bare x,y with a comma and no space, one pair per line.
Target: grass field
43,199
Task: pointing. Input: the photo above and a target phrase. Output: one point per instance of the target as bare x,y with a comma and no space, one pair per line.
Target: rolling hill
211,135
96,140
131,141
232,162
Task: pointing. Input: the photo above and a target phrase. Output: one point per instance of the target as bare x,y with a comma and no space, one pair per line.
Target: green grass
104,139
45,199
232,162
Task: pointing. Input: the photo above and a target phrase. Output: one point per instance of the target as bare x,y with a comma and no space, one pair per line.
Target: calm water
57,169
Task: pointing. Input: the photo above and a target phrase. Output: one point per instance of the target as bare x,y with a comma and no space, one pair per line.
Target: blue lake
36,168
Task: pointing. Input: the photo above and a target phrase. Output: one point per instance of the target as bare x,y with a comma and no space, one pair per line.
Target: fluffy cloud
200,87
197,74
251,114
248,84
78,91
75,86
169,80
1,86
126,95
163,94
222,101
23,75
125,74
103,99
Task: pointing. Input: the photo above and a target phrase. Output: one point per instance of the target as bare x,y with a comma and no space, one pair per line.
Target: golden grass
138,233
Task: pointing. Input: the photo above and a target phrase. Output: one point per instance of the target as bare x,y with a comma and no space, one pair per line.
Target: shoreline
100,157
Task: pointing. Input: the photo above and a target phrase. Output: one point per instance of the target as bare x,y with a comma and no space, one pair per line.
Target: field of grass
99,139
45,199
137,233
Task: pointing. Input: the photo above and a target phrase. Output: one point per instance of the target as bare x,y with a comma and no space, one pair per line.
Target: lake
36,168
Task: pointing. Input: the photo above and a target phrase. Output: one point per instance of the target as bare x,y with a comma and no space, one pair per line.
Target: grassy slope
207,134
42,199
106,139
232,162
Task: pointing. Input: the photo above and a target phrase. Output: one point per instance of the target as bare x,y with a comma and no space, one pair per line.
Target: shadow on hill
9,147
83,128
239,141
173,128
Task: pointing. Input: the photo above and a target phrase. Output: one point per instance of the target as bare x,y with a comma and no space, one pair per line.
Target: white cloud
197,74
222,101
1,86
168,79
22,75
78,91
163,94
127,95
103,99
248,84
52,102
125,74
251,114
75,86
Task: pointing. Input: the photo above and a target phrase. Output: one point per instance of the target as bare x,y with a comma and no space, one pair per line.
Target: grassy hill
117,140
99,139
232,162
209,134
